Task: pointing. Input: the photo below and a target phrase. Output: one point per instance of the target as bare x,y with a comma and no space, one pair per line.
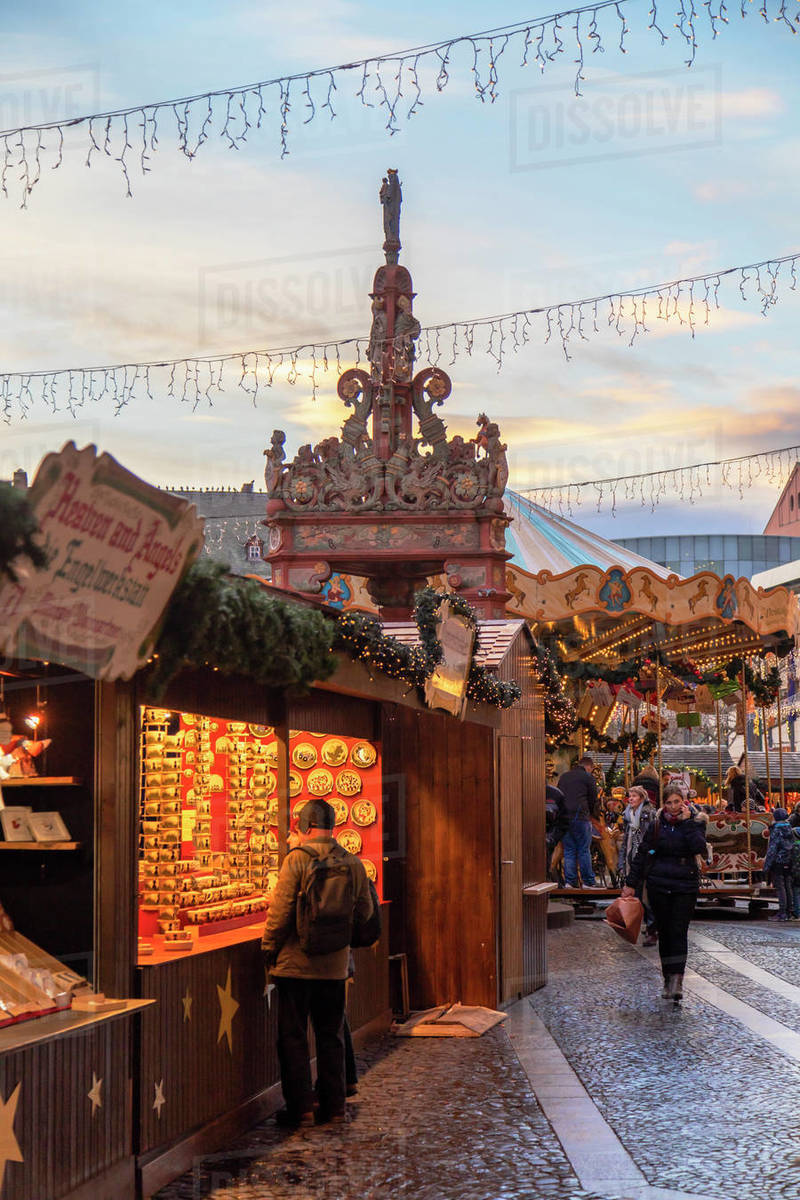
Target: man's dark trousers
323,1001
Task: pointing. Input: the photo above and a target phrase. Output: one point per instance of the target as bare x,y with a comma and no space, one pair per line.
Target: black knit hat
317,814
779,814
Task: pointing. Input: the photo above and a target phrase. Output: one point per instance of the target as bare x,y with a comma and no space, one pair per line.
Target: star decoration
160,1099
9,1146
186,1001
94,1093
228,1007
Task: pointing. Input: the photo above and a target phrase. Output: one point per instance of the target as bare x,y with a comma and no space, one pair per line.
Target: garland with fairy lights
361,636
393,84
236,627
560,718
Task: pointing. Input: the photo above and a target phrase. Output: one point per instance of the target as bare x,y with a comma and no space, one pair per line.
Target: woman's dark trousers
673,912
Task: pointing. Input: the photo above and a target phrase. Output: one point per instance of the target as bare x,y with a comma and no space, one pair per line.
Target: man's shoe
292,1120
335,1118
665,992
650,939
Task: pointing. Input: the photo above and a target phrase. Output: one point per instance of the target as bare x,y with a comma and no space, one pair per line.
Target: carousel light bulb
33,721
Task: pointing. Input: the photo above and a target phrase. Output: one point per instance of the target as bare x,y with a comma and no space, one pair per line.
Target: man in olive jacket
310,984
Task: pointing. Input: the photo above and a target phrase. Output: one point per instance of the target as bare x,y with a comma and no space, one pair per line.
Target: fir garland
18,527
236,627
361,637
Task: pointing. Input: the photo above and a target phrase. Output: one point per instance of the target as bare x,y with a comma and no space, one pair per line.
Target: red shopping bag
625,917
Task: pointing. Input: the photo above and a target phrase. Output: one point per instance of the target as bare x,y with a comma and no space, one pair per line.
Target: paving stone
680,1089
445,1119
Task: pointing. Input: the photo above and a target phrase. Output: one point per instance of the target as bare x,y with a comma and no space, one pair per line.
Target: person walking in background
778,863
637,818
667,860
581,803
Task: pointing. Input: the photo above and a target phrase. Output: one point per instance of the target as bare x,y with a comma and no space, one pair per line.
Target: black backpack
367,933
325,902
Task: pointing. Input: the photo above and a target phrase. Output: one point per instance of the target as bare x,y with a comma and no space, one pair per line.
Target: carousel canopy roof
541,540
611,606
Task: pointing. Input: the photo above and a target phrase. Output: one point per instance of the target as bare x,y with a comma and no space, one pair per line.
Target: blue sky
658,173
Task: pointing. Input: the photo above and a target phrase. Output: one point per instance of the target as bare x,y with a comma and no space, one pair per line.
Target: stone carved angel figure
273,468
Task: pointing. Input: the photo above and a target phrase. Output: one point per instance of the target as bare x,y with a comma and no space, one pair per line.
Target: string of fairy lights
649,488
686,304
395,84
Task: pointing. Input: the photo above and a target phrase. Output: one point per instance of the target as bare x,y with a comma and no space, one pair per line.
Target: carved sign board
117,548
447,687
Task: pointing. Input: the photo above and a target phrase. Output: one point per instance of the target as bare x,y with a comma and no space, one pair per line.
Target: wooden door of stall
509,767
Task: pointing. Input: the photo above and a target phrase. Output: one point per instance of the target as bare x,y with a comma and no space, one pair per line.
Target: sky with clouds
656,173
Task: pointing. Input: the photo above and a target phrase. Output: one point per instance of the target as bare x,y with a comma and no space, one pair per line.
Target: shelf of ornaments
41,781
40,845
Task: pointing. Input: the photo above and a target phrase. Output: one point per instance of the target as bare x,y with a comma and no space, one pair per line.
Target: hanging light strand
389,83
649,488
198,381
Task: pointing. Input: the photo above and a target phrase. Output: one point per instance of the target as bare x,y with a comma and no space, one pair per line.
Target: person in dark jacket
666,861
555,821
778,862
794,819
581,803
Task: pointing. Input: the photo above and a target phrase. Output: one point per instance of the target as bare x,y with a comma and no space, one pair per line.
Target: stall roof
703,758
542,540
757,762
494,637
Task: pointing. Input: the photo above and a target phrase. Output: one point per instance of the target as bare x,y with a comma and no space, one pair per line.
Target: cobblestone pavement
435,1119
700,1104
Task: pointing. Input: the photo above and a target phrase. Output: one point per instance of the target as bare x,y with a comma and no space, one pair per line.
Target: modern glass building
723,553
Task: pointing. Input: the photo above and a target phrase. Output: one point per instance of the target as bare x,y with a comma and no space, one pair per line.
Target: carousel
629,650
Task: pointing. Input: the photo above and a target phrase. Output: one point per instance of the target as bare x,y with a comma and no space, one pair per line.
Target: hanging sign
446,687
116,549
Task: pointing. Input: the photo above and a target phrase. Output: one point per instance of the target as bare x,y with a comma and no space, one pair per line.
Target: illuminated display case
208,803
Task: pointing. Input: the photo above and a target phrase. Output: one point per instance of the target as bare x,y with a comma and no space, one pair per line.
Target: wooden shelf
39,845
42,781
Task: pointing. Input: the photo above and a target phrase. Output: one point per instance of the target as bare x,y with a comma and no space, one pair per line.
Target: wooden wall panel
116,837
328,712
63,1144
510,815
203,1078
449,882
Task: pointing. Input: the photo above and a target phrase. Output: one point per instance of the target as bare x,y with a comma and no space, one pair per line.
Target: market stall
66,1053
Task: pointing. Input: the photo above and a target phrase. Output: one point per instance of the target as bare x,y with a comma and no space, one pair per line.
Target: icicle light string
389,83
200,380
650,487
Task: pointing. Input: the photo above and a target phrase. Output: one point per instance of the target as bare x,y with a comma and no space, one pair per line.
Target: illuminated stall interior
209,848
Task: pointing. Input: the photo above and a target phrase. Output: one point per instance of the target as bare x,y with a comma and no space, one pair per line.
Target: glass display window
208,845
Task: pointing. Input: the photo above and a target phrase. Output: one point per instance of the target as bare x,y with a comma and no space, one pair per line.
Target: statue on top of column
391,197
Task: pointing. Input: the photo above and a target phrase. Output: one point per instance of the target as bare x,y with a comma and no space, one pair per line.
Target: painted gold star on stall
228,1007
9,1146
95,1093
186,1001
160,1099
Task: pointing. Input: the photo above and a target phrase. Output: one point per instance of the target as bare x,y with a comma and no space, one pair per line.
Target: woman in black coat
666,861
